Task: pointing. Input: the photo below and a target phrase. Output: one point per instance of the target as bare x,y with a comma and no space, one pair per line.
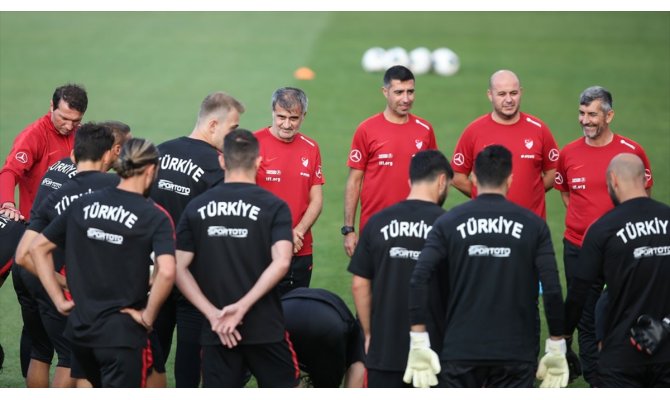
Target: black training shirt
491,254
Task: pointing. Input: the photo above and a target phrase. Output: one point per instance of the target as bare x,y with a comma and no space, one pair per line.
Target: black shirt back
108,237
629,247
386,254
54,178
492,253
231,229
188,167
81,184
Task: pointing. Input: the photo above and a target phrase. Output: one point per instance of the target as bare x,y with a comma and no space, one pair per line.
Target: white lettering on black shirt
65,201
646,251
187,167
165,184
480,250
401,252
635,230
222,231
50,183
229,208
478,226
98,234
68,169
110,213
406,229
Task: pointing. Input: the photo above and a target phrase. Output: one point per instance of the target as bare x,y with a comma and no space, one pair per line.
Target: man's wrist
419,339
347,229
147,325
8,204
555,346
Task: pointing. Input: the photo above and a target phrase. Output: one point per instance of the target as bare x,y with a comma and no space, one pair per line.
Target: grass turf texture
152,70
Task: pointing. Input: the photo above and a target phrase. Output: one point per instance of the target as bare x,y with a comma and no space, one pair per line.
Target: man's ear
222,162
107,159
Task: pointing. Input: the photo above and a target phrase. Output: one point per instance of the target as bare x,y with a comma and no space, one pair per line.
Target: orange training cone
304,74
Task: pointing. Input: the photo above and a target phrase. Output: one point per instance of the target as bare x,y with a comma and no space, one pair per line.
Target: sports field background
152,70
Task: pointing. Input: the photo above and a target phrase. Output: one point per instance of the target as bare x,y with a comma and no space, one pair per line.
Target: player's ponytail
135,155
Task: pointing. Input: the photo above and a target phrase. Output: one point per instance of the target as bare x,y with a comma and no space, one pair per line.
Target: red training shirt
289,170
533,149
37,147
383,150
582,173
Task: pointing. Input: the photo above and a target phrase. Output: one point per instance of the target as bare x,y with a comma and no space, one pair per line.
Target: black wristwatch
347,229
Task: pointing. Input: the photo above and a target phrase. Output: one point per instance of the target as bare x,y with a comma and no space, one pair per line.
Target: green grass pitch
151,70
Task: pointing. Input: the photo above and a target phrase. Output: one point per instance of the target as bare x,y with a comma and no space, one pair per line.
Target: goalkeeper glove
647,334
553,369
423,365
574,365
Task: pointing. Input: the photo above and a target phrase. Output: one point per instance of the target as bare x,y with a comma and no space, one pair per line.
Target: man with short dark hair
234,244
38,146
92,153
383,263
381,150
487,256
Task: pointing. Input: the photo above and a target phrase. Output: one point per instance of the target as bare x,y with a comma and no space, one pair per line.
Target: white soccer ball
396,56
420,60
374,59
445,62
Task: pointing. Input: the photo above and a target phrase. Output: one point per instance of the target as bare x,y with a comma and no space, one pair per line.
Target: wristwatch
347,229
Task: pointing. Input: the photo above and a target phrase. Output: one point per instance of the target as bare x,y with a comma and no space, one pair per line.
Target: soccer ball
420,60
396,56
374,59
445,62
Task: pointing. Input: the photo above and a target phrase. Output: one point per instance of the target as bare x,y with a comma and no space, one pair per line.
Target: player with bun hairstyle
110,314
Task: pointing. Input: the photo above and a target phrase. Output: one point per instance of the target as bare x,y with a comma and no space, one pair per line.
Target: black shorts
273,364
152,359
462,374
157,362
166,321
110,367
187,362
298,275
54,324
41,348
